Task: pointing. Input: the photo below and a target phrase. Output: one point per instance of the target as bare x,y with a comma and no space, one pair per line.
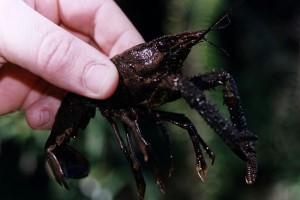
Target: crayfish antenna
217,24
217,46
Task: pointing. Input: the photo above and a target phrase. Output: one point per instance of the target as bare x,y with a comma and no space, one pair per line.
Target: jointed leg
231,96
134,127
167,140
233,101
183,122
135,165
242,146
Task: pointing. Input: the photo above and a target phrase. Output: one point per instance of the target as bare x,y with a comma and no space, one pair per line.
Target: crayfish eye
164,45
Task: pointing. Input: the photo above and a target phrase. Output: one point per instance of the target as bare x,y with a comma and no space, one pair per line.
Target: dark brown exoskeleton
150,76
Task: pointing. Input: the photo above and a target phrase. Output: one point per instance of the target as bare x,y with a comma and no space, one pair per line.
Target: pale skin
48,47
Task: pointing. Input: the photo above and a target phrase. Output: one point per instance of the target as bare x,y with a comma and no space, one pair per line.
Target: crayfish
150,76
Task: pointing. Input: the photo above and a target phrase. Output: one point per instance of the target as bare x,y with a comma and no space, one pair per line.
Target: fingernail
97,78
45,119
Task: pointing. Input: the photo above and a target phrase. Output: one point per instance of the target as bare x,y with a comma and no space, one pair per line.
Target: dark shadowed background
263,46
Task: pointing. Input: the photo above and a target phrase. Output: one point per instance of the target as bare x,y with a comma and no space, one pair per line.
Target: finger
47,50
41,114
47,8
103,21
15,84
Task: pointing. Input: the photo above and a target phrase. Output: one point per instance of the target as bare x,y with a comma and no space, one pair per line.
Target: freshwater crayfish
150,76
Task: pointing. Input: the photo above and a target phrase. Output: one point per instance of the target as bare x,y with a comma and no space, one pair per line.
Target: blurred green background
263,43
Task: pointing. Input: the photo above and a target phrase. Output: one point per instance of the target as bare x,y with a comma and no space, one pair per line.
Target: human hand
41,54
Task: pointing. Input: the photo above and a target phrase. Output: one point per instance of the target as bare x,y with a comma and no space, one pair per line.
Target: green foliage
264,60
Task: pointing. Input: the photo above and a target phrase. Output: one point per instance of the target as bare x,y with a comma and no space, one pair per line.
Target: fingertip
41,114
39,120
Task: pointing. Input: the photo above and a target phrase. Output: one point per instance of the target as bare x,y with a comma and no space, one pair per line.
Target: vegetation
263,43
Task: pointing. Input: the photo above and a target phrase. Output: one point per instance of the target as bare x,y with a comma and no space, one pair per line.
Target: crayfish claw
160,184
201,172
250,176
63,182
251,169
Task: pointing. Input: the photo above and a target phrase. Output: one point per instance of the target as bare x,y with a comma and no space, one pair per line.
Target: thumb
45,49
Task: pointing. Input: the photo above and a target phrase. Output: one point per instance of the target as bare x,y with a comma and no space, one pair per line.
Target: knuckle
56,54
